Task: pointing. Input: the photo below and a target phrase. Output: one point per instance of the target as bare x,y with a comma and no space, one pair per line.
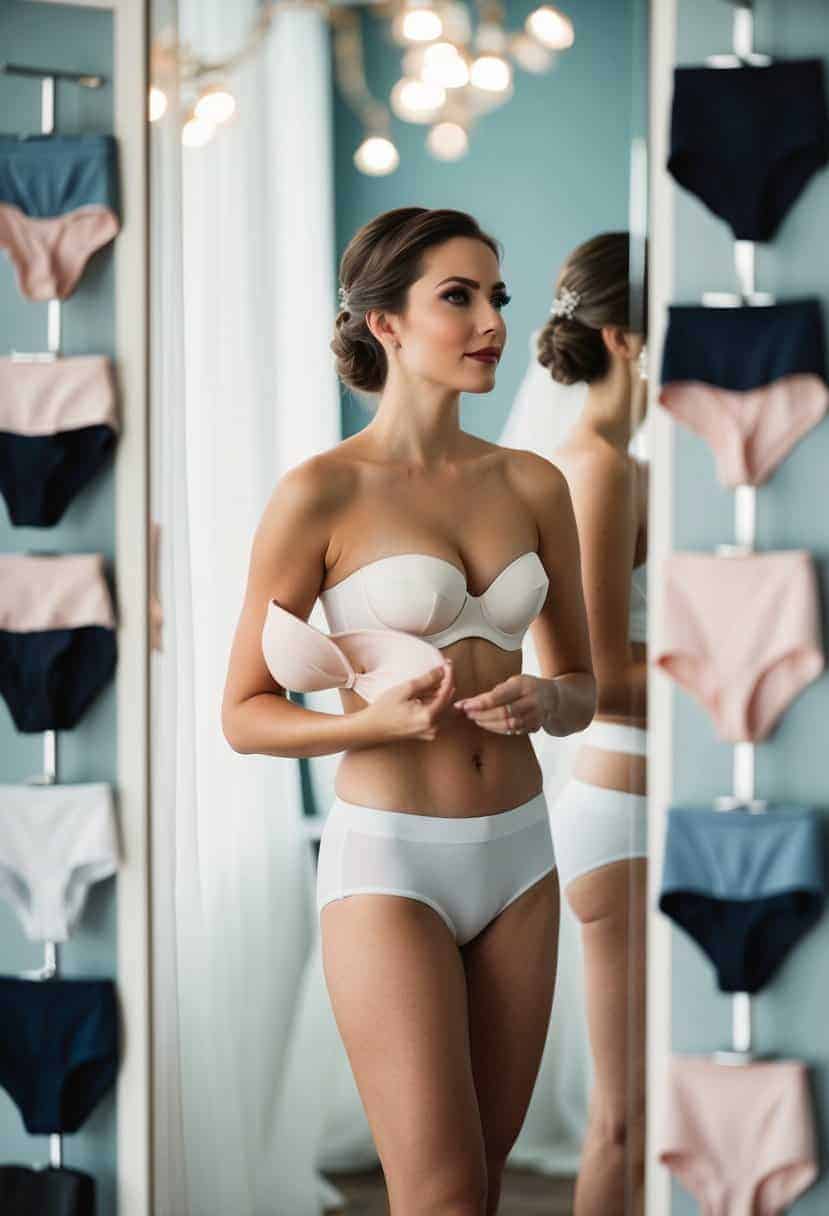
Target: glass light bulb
421,25
551,28
531,55
444,65
376,156
491,73
216,104
416,100
448,141
157,103
196,132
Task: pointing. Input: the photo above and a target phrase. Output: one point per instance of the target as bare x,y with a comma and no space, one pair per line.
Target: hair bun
360,359
558,350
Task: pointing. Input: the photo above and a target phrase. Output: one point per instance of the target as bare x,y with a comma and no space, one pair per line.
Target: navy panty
746,887
58,1049
52,1191
49,677
747,140
41,474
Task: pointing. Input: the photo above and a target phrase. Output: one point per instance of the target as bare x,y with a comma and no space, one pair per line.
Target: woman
599,819
437,889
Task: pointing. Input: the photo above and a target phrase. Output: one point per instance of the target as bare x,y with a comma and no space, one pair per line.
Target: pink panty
49,255
740,1138
742,634
750,433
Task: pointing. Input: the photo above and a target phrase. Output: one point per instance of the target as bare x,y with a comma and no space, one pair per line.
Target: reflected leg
398,992
611,903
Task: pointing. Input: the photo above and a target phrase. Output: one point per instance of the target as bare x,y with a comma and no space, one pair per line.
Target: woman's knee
462,1192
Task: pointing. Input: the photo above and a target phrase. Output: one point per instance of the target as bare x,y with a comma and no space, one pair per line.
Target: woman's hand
519,705
413,709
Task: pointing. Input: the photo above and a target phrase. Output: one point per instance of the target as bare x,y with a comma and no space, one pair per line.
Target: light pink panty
64,395
49,255
750,433
742,634
740,1138
64,592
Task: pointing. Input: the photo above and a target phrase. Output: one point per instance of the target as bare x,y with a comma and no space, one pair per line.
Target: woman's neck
417,424
607,409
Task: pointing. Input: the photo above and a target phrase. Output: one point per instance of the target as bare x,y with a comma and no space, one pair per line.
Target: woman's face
452,332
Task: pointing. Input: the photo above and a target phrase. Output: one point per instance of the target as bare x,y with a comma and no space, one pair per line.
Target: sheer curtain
242,309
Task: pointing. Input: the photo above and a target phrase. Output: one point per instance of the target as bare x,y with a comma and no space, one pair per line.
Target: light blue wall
73,39
789,1016
545,172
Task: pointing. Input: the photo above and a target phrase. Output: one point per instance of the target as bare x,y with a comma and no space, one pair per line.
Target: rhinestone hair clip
344,301
565,304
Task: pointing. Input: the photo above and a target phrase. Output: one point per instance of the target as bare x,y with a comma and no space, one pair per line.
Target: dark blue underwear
41,474
52,1191
743,348
49,677
746,887
747,140
58,1049
48,175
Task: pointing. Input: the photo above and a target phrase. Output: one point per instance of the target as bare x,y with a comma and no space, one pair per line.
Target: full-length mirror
399,495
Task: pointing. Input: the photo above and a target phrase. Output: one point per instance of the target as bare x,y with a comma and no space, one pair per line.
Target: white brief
55,842
467,868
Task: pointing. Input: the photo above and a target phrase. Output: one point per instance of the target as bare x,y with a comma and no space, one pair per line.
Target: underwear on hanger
55,842
58,206
742,635
745,886
304,659
739,1138
746,141
750,381
57,637
58,424
49,1191
58,1050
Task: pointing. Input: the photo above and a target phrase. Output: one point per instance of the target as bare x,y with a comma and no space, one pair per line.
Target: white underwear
593,826
55,842
467,868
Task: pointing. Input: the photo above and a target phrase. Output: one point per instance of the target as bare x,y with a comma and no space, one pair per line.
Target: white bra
420,594
638,616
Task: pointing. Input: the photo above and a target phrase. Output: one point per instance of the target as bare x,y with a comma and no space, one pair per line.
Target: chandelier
457,63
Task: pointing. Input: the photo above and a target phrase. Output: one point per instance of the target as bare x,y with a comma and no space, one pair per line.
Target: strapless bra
426,596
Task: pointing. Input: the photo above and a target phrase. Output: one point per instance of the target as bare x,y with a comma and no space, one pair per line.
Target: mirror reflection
399,485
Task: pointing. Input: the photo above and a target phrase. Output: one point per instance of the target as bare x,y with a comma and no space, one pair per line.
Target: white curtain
242,309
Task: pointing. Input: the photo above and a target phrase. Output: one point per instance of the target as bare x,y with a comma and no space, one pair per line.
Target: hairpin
565,304
344,302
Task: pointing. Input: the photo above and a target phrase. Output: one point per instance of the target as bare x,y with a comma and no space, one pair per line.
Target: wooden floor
524,1193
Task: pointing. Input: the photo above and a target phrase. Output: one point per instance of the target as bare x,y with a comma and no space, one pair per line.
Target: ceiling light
529,54
447,141
376,156
196,132
157,103
416,100
216,104
421,23
551,28
492,73
445,65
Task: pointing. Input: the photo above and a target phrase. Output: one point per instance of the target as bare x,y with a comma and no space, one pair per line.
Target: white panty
55,842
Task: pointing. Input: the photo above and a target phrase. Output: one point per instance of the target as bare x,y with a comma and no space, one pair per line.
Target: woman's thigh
398,992
510,973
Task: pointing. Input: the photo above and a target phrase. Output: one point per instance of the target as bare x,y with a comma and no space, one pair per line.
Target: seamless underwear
745,886
48,1191
747,140
58,205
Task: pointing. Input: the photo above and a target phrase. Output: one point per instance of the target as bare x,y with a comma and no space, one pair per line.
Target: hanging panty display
55,842
740,1138
58,424
742,634
747,887
58,1049
750,381
58,206
51,1191
57,637
747,140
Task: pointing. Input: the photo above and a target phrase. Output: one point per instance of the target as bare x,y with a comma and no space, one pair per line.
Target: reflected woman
599,820
437,887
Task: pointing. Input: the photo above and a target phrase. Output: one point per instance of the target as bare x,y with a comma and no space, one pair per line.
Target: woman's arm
605,495
560,631
287,563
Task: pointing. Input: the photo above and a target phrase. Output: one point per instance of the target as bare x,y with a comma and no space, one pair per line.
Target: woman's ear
383,326
621,342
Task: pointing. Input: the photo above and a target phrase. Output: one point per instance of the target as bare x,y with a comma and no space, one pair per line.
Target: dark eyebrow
458,278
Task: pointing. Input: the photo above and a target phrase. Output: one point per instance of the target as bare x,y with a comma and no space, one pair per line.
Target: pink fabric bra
389,617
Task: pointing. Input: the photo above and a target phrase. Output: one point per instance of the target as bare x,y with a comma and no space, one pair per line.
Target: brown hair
378,267
599,272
